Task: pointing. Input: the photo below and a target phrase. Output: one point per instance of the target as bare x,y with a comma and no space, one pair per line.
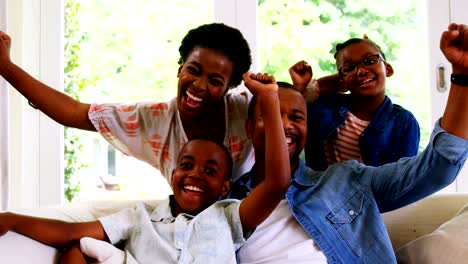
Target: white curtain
4,170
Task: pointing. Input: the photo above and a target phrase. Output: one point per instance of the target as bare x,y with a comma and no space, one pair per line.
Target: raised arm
48,231
58,106
301,75
265,197
454,45
439,164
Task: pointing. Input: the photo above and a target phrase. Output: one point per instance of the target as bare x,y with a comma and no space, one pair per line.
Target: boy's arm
58,106
48,231
256,207
454,45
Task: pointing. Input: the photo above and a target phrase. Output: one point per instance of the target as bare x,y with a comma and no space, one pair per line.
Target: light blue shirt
340,207
155,236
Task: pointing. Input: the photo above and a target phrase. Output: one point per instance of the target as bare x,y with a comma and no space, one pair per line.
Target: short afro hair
253,101
225,39
349,42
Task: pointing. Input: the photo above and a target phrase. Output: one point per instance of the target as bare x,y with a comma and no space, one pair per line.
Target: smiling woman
131,56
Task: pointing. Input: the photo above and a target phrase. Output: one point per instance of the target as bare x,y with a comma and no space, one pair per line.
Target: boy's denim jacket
340,207
393,132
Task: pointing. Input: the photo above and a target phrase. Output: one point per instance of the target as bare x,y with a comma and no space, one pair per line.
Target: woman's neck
209,124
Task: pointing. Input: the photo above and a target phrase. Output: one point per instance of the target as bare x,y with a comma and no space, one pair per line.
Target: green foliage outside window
293,30
74,83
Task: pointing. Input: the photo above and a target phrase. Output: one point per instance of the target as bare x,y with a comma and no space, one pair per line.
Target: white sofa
412,226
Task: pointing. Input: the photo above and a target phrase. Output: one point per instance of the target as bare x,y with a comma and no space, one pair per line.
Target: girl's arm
51,232
256,207
58,106
301,75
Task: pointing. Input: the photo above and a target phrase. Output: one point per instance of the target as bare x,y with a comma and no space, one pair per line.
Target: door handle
441,83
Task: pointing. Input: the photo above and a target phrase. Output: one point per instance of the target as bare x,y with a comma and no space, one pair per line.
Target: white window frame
4,142
441,14
36,156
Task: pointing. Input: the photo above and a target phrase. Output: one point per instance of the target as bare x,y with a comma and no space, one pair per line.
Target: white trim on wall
240,14
51,65
4,138
36,150
440,15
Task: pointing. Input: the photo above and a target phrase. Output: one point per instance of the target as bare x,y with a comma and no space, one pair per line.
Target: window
131,56
290,31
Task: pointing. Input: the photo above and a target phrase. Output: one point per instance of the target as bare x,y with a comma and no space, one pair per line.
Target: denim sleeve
408,180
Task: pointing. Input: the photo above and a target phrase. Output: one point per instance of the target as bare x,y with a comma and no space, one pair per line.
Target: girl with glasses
363,124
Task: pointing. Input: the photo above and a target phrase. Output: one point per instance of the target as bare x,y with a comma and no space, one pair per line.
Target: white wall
4,142
35,160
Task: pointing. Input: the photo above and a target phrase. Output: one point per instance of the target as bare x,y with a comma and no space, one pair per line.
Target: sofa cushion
18,249
447,244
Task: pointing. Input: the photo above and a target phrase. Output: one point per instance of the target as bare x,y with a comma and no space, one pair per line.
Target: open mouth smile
366,81
192,101
193,189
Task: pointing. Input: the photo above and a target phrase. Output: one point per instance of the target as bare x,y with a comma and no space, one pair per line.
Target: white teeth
193,188
193,97
288,140
366,81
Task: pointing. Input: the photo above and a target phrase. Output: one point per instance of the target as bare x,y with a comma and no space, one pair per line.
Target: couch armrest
423,217
18,249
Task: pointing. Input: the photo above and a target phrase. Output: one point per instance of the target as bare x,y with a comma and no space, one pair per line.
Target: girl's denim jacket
393,132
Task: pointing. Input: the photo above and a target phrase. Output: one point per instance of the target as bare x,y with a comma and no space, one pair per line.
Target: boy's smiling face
294,118
204,79
200,177
366,81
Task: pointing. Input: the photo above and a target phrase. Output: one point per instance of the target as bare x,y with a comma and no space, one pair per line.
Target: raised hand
260,83
301,74
454,45
5,44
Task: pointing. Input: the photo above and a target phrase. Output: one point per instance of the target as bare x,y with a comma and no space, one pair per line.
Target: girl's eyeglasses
349,69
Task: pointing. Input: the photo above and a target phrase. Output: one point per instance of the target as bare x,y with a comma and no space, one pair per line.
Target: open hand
454,45
301,74
260,83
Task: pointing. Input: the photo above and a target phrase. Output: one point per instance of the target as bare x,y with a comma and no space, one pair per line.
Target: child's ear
389,69
225,188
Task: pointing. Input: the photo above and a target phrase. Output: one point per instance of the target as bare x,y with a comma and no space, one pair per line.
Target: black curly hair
222,38
341,46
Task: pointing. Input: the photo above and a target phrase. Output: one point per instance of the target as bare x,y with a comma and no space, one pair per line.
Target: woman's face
204,79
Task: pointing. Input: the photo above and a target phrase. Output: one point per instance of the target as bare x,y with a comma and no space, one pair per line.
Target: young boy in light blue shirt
192,226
